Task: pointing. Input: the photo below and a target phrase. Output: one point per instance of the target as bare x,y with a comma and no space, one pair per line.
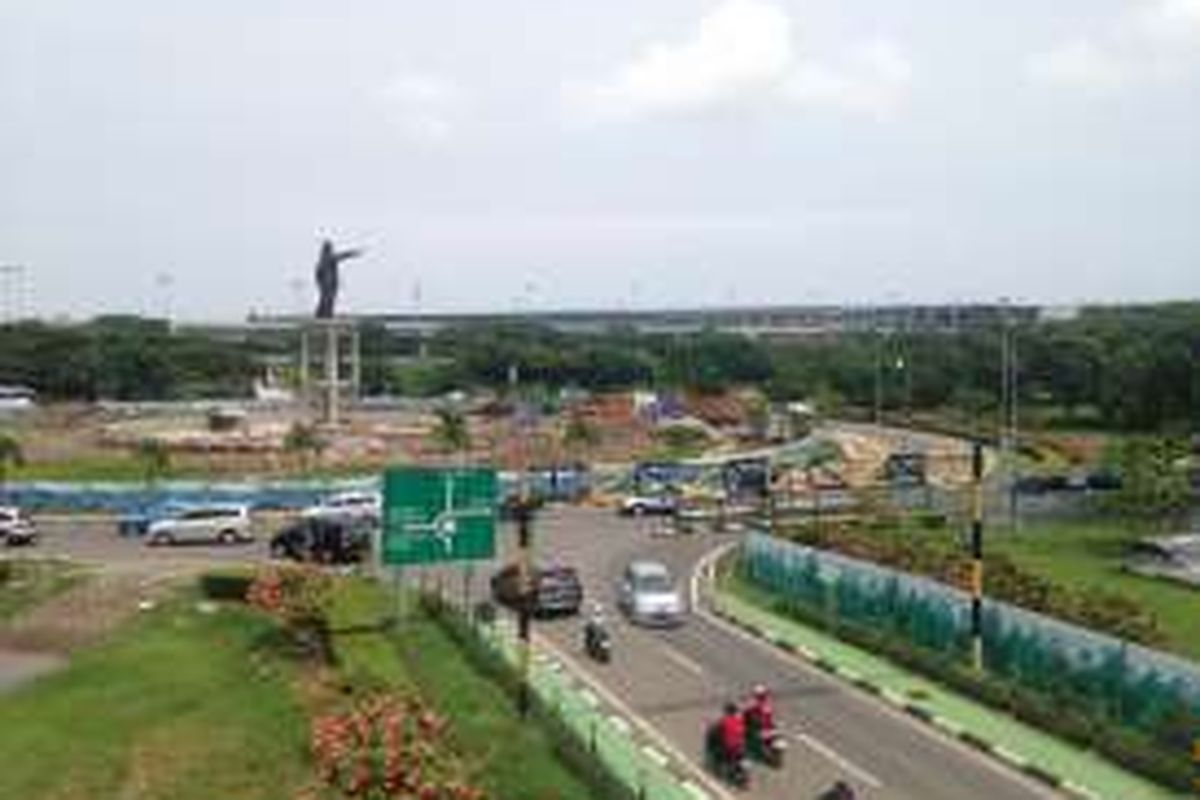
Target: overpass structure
775,322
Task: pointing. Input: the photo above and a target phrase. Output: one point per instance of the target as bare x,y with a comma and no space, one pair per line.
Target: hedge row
1134,750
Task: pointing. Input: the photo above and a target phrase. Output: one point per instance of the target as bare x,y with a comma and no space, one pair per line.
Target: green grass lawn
24,582
177,705
182,705
513,759
1079,554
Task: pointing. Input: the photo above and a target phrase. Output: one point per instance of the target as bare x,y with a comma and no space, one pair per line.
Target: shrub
386,746
299,598
225,586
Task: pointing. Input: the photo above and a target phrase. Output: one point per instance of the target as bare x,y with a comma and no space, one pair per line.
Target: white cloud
741,54
1152,40
873,78
425,107
1079,64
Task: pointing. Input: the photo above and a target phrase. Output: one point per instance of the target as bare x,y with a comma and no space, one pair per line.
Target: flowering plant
386,746
298,596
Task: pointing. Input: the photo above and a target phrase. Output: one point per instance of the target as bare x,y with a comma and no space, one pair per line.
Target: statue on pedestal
327,276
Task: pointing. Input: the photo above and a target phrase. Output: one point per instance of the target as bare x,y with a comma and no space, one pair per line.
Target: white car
15,527
227,524
349,505
648,595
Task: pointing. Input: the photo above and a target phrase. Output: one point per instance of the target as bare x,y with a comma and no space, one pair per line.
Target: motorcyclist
759,716
839,791
732,731
594,625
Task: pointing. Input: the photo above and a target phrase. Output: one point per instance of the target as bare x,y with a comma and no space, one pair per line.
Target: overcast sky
538,154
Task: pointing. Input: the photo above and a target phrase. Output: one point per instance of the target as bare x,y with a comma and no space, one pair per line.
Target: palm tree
155,459
451,434
579,434
11,455
303,441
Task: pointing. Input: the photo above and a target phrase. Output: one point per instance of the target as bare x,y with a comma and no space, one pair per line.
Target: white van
226,524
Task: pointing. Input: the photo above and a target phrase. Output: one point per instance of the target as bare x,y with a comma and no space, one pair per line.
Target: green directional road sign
436,515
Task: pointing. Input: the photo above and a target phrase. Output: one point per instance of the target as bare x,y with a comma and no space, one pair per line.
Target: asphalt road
678,679
675,679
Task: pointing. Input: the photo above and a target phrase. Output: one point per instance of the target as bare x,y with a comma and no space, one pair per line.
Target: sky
187,158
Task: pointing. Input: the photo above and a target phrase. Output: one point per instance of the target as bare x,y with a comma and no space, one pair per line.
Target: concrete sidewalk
1077,772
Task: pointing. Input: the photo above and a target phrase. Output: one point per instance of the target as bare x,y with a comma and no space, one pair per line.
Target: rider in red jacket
760,714
733,733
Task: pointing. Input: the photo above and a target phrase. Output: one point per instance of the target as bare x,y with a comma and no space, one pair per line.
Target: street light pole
1010,447
14,277
878,352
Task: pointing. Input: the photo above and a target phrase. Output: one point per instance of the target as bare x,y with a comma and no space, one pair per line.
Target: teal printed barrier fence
1109,680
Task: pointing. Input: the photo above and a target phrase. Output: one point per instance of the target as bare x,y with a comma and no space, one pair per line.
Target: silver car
216,523
648,595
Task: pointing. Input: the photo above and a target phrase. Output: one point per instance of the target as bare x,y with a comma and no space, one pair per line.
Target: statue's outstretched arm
344,255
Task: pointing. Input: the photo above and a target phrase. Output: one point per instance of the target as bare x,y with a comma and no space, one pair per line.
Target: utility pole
977,555
878,348
13,276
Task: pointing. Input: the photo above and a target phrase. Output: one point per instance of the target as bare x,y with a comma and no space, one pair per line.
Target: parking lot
94,540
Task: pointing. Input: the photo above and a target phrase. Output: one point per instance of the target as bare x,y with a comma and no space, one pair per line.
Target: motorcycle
768,746
840,790
734,771
597,642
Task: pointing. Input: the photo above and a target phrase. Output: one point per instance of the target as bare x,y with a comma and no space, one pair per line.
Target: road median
1073,771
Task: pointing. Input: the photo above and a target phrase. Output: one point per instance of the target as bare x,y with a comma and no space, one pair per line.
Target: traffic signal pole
525,612
977,555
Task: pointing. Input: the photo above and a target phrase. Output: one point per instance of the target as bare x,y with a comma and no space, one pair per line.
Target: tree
1154,482
451,433
155,460
579,435
303,441
11,455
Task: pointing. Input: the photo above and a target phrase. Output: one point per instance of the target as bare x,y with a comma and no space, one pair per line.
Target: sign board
438,515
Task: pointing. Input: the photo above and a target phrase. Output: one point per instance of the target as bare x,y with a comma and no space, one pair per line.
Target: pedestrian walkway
1077,771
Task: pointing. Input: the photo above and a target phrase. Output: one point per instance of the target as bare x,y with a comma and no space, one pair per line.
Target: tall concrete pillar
332,379
304,365
355,364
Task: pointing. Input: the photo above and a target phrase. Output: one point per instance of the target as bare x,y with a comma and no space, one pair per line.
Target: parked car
648,595
646,504
227,524
349,505
557,589
136,523
323,541
16,528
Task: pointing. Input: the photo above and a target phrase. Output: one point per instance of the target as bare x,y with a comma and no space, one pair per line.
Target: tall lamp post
13,276
1010,447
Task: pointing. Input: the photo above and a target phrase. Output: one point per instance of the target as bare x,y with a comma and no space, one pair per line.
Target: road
678,679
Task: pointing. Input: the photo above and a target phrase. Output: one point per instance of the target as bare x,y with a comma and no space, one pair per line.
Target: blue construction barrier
552,485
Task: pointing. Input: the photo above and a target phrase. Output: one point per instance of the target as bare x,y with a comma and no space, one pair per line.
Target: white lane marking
706,567
682,660
646,728
832,755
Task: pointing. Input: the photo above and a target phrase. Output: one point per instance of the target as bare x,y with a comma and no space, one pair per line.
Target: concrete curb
914,710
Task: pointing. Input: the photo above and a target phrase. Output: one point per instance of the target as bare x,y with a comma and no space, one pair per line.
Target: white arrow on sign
444,525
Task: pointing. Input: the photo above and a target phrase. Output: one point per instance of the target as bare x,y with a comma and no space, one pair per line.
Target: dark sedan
323,541
557,589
